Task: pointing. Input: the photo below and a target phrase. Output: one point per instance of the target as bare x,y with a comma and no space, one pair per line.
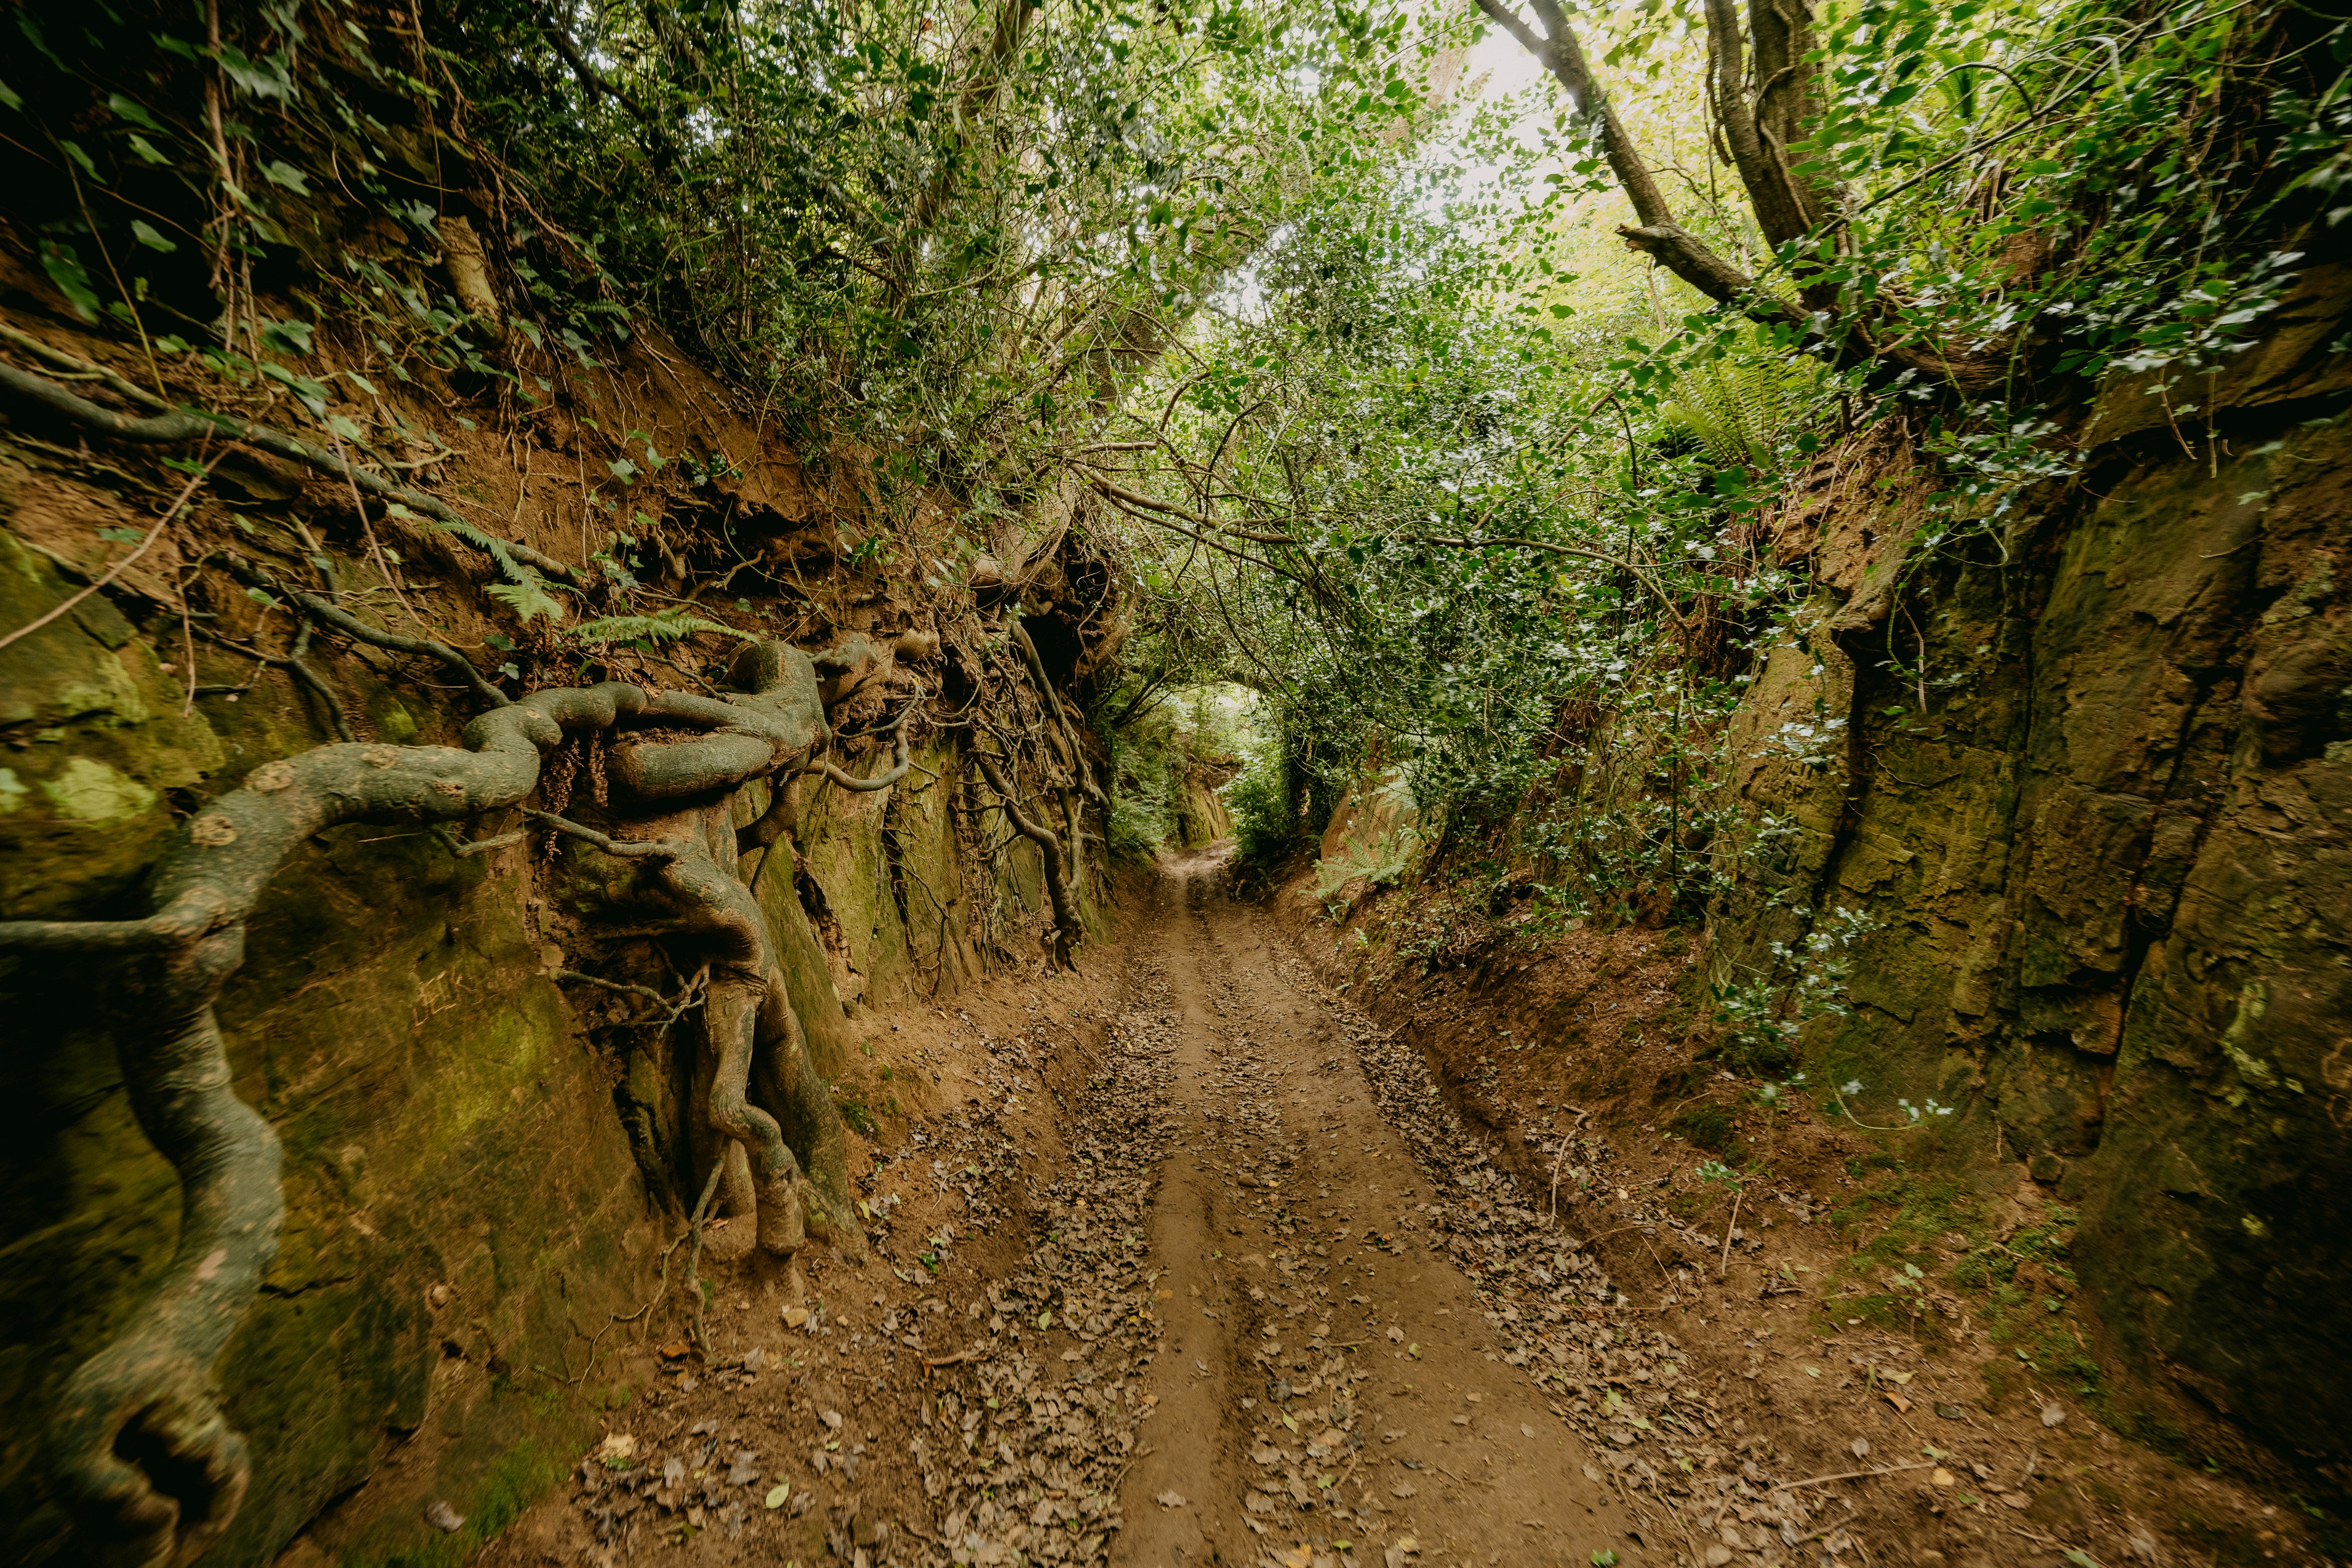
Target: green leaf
9,97
290,337
146,233
312,395
65,270
778,1493
285,176
131,110
74,151
259,79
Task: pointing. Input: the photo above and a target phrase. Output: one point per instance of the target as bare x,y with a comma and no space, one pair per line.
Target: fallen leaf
2053,1414
778,1493
1171,1500
444,1518
1396,1334
1942,1477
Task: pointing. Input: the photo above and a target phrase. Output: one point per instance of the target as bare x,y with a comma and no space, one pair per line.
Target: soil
1845,1300
1189,1259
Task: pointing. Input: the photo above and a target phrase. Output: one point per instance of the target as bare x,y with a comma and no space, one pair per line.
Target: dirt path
1186,1263
1328,1374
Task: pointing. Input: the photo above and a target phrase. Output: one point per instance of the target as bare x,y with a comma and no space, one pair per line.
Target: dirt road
1328,1375
1186,1264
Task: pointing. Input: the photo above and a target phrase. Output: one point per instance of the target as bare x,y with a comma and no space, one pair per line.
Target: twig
172,427
343,621
694,1253
317,683
116,569
367,529
465,848
1853,1475
673,1009
1724,1269
626,849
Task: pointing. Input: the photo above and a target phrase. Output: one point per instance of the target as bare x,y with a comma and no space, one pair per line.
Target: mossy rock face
458,1186
473,1163
2110,875
94,741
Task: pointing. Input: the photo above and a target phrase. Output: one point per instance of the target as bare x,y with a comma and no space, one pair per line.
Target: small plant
1383,862
1763,1019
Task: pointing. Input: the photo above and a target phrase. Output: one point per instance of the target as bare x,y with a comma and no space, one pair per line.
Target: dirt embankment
1855,1306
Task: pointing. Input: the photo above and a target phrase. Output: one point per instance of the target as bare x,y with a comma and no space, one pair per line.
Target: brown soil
1581,1056
1187,1260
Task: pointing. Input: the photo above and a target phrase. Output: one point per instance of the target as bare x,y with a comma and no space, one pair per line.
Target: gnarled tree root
140,1450
1068,930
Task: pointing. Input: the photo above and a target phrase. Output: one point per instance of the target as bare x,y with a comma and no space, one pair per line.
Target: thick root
782,1230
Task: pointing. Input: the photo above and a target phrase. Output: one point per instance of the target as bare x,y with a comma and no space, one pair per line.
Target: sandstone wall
2112,867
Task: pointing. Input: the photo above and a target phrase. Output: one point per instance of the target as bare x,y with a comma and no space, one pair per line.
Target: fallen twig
1853,1475
115,570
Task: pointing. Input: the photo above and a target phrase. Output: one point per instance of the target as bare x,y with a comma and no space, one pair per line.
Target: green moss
854,1113
508,1487
1705,1128
84,790
1897,1312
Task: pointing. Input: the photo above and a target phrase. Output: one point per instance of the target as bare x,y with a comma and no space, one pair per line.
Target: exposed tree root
1068,931
141,1453
170,426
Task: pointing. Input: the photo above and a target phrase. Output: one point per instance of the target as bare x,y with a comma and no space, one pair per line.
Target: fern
665,626
528,597
1742,405
491,544
1383,863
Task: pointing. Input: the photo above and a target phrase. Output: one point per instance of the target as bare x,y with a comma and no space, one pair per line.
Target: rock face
479,1168
2110,859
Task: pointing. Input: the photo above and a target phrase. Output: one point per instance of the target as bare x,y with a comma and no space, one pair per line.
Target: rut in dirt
1329,1377
1258,1297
